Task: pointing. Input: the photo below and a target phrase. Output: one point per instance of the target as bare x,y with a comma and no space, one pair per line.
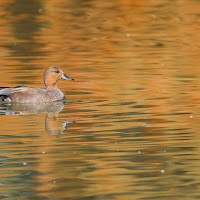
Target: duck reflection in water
52,124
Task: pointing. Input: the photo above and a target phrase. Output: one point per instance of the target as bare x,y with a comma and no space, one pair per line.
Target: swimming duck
24,94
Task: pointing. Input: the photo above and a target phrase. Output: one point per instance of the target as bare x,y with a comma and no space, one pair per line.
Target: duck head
52,75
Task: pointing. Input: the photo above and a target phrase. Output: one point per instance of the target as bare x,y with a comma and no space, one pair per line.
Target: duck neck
50,84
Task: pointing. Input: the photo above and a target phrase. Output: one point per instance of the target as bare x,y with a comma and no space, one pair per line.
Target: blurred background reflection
135,100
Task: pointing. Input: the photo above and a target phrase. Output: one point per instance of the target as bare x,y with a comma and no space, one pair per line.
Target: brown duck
24,94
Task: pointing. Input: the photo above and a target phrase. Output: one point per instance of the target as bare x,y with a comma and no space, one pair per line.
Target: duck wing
5,91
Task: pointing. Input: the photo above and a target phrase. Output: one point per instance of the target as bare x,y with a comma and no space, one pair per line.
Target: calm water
130,128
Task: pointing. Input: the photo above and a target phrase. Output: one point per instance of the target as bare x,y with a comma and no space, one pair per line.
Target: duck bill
66,77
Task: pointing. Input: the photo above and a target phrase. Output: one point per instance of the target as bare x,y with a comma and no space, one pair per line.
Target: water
129,128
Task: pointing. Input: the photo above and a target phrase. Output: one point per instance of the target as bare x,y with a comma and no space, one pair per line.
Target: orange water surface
130,126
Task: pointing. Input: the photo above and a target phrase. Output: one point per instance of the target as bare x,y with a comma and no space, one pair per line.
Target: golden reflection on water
135,100
52,109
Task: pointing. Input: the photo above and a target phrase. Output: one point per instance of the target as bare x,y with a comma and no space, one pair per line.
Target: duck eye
57,71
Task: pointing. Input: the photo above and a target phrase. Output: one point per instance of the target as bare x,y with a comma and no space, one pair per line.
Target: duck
25,94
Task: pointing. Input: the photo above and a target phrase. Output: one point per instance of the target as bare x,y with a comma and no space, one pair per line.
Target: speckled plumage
23,94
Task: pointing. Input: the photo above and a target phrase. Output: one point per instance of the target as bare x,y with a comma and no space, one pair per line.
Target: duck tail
3,95
1,88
